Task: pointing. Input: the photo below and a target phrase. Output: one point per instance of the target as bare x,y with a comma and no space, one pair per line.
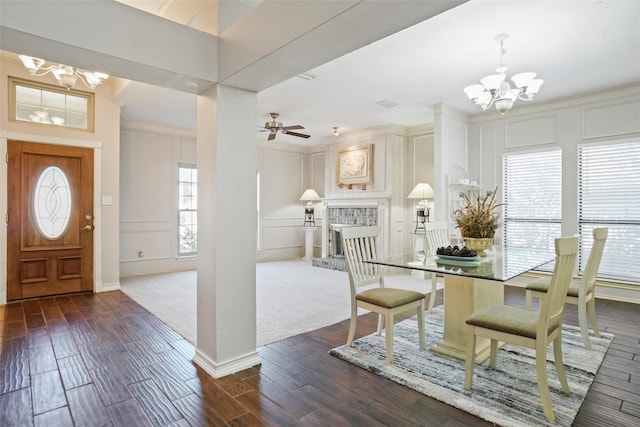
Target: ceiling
575,47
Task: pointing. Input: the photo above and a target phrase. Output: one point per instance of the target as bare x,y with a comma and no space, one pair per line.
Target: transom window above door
50,105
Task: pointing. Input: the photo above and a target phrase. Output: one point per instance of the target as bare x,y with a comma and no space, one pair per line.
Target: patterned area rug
506,396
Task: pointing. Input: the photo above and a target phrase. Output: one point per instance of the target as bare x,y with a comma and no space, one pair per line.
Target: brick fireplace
340,214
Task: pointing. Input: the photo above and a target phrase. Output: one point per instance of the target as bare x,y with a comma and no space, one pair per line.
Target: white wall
150,155
285,172
149,159
418,166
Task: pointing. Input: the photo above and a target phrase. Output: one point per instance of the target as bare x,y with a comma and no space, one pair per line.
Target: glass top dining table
470,285
500,264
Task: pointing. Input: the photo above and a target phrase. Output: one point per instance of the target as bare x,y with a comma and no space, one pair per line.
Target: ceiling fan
274,126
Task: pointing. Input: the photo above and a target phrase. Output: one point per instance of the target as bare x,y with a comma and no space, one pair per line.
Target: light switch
107,200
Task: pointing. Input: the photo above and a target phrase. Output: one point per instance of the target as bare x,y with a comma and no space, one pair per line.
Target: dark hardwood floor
101,359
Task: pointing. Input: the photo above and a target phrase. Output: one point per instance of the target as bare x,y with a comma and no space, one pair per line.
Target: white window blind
187,210
533,199
609,196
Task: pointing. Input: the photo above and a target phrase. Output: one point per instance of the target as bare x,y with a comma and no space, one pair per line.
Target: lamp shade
421,191
309,195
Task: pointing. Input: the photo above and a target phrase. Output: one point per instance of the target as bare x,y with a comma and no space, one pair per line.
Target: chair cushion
542,285
389,297
512,320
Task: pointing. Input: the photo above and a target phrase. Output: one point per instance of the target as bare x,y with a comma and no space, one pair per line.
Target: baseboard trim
219,370
107,287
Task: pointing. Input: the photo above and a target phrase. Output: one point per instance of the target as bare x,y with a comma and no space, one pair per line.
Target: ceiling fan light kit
495,90
274,126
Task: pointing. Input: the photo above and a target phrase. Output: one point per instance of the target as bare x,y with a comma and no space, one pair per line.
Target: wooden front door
50,220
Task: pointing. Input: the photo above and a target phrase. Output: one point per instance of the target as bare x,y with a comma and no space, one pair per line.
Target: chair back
360,244
436,235
553,304
595,256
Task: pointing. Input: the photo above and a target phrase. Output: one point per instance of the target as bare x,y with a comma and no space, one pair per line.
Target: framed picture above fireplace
354,165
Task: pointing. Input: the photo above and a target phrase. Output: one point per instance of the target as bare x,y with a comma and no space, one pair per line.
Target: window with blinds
533,199
608,192
187,210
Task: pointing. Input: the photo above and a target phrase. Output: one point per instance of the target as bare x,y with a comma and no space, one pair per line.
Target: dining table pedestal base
462,297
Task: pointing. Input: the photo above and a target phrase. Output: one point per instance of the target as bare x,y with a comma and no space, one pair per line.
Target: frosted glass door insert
52,202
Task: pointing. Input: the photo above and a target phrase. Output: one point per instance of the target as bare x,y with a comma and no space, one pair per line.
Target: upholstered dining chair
367,287
581,291
530,329
436,234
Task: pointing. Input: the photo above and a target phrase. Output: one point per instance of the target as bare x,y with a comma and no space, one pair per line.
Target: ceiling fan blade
272,136
301,135
292,127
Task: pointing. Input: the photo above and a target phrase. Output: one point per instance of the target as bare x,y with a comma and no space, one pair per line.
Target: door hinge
6,157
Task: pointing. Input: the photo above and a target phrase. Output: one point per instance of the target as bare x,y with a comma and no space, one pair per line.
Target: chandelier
495,90
64,74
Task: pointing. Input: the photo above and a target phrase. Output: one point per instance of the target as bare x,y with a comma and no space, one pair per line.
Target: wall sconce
309,196
336,132
422,191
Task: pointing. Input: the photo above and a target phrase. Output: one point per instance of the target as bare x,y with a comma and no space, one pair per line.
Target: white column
227,164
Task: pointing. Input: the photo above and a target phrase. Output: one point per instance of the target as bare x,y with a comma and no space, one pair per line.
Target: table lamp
422,191
309,196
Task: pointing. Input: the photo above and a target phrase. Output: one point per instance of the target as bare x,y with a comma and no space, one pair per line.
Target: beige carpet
292,297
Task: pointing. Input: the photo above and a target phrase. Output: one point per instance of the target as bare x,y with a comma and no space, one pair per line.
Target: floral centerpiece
478,220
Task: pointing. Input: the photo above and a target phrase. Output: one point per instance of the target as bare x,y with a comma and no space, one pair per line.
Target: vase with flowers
478,220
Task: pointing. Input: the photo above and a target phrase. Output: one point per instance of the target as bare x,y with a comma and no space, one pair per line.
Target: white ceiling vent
386,103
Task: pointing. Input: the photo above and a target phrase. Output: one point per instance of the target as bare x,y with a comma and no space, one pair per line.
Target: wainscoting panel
317,172
611,120
149,173
146,245
283,237
534,131
282,184
487,159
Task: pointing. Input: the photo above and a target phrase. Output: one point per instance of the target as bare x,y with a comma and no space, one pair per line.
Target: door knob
87,228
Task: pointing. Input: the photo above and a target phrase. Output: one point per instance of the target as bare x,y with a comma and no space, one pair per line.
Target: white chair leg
591,306
557,357
527,300
582,321
543,384
421,325
470,362
380,324
389,336
493,357
352,325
